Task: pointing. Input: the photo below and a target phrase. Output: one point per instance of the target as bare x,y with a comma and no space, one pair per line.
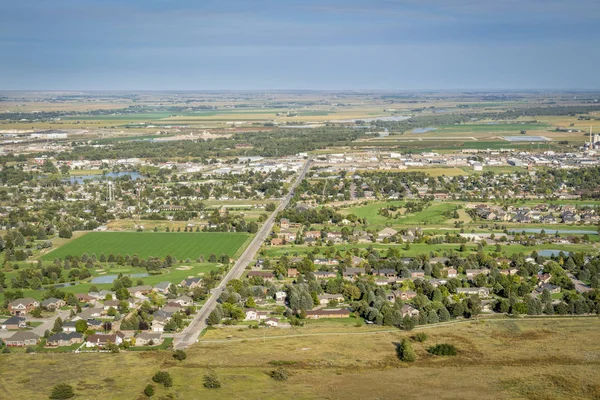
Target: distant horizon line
512,90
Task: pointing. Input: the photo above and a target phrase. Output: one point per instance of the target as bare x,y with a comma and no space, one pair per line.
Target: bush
62,391
405,351
280,374
179,355
29,349
149,390
420,337
211,381
442,350
164,378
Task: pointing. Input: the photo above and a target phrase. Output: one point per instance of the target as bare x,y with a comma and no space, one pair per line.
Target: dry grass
499,359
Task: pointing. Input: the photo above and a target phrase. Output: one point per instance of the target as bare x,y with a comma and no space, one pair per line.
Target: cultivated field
159,244
546,358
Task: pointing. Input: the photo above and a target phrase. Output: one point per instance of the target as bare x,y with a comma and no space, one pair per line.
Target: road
191,333
47,324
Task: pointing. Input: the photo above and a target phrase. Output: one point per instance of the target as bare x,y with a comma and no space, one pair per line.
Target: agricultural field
537,358
158,244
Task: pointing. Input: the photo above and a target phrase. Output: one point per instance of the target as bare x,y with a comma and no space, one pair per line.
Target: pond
82,178
111,278
423,130
550,253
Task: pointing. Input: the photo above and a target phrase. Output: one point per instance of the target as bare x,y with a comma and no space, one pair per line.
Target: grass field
550,359
159,244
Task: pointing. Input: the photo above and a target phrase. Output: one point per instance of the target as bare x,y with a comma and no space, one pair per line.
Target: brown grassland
498,359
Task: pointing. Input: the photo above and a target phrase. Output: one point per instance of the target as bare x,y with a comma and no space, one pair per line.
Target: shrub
179,355
164,378
420,337
29,349
62,391
149,390
280,374
211,381
405,351
442,350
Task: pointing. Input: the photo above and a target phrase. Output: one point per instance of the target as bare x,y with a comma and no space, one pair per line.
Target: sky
290,44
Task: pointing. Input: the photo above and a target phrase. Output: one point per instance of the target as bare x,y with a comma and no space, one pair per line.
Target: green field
158,244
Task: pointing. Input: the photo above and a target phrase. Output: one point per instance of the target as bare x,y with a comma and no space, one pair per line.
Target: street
191,333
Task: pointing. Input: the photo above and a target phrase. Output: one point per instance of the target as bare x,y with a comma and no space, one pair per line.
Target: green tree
164,378
179,355
62,391
405,351
280,374
81,326
149,390
211,380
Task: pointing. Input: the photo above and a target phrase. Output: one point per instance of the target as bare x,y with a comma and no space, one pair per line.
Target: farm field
542,358
159,244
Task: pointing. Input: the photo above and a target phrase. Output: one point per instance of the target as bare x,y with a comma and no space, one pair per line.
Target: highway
191,333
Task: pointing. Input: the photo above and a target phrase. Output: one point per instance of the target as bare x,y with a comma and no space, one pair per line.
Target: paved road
191,333
47,324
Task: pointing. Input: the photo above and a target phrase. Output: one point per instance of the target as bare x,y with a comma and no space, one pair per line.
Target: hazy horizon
331,45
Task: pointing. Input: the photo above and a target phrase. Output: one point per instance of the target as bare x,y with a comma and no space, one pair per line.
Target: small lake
526,138
550,253
551,231
423,130
111,278
82,178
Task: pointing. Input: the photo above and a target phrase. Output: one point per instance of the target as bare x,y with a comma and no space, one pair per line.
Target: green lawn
159,244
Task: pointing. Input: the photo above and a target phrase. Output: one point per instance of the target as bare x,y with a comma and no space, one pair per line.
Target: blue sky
289,44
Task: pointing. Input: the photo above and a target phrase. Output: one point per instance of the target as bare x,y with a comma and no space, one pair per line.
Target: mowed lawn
159,244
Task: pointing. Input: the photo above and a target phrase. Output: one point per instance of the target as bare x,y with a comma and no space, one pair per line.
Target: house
272,322
386,233
416,273
404,295
158,326
14,322
108,304
472,273
85,298
480,291
101,295
140,291
88,313
439,260
325,274
184,301
22,338
280,297
312,235
544,278
22,306
292,272
450,272
277,242
356,261
69,326
53,303
64,339
548,286
253,315
326,261
510,271
162,287
324,299
268,276
387,272
191,283
101,340
94,324
337,313
409,310
284,223
148,339
350,273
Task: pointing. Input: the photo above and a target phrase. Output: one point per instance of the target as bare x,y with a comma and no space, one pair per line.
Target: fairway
146,244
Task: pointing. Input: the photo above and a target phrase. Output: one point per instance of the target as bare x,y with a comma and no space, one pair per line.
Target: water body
551,231
397,118
82,178
525,138
111,278
423,130
550,253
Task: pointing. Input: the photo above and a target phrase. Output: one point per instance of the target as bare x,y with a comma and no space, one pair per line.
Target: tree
211,380
280,374
179,355
81,326
57,325
62,391
65,232
442,350
149,390
214,318
164,378
405,351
